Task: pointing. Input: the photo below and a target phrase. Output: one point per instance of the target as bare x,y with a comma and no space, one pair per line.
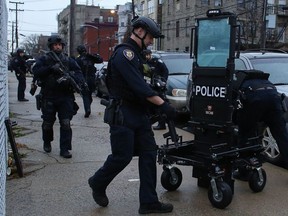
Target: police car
272,62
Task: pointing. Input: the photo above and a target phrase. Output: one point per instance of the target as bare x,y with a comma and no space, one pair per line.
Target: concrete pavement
55,186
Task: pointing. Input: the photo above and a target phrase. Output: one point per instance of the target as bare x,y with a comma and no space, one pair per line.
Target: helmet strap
142,39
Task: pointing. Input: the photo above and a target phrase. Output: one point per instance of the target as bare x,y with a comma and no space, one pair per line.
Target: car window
276,67
178,65
239,64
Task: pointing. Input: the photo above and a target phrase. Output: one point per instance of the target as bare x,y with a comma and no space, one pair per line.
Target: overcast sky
40,16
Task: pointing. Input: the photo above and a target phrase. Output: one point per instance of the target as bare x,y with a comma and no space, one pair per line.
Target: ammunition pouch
112,114
38,101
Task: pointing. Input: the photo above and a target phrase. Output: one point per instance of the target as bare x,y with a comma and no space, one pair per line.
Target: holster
38,101
112,114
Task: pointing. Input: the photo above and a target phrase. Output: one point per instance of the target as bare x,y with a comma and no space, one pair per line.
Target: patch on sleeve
129,54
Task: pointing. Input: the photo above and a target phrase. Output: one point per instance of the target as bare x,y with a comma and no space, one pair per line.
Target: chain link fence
3,102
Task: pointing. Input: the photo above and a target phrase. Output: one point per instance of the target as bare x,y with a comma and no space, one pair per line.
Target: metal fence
3,103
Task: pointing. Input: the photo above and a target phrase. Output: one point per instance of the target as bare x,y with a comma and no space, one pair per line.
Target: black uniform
131,132
57,97
262,103
18,64
86,62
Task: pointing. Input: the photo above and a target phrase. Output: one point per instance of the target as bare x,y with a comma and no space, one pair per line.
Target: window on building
150,7
187,30
101,19
110,19
177,28
142,7
241,3
205,2
218,3
122,24
177,6
168,7
168,31
282,2
187,49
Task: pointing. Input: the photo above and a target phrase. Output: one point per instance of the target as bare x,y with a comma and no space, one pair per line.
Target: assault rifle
65,73
159,85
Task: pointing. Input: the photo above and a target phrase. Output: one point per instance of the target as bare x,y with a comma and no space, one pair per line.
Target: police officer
57,90
130,130
260,103
158,69
18,64
86,61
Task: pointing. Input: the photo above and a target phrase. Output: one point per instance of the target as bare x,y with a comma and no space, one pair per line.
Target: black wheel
170,183
224,196
255,183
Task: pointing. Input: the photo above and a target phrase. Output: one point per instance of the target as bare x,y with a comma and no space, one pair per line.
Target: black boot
65,154
99,197
47,147
157,207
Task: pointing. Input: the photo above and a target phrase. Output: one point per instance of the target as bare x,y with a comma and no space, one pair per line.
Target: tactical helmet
149,24
55,39
81,49
19,50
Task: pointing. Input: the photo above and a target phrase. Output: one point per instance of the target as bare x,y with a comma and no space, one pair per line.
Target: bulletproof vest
115,83
243,75
88,66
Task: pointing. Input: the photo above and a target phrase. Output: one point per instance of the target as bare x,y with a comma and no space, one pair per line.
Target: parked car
179,66
274,63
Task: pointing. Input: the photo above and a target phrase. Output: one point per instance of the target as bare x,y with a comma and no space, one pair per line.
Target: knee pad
65,124
47,125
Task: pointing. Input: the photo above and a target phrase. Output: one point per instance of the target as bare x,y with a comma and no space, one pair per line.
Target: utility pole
263,35
72,27
16,9
12,41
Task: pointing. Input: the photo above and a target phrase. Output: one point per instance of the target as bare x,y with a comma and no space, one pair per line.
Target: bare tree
30,44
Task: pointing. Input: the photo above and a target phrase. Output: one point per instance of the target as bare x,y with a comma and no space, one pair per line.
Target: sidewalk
54,186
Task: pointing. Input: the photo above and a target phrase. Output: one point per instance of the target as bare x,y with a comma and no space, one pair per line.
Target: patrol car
273,62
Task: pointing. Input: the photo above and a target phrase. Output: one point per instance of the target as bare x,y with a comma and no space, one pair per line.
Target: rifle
66,74
159,85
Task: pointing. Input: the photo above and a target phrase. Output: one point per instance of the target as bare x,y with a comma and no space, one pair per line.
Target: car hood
177,81
282,89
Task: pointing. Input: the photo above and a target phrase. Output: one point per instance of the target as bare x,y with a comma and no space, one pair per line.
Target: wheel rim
270,145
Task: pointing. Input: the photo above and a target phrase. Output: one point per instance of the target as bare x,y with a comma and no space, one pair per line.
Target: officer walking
18,64
86,62
130,130
261,103
57,91
158,69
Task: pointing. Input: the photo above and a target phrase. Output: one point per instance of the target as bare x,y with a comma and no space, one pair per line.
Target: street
55,186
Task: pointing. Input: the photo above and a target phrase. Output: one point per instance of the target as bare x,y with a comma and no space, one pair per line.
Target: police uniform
132,134
86,63
261,103
57,97
18,64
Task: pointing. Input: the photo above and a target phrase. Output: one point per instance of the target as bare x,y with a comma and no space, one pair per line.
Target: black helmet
19,50
55,39
81,49
149,24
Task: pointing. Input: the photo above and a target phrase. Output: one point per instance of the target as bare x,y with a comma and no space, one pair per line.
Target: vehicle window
213,43
179,65
276,67
239,65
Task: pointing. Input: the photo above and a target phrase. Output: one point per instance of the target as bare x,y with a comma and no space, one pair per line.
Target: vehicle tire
168,182
255,183
224,196
271,149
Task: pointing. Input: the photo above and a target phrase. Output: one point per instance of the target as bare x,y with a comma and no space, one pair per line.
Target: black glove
168,110
56,68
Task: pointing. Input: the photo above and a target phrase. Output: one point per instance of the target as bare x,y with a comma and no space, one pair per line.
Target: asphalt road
55,186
